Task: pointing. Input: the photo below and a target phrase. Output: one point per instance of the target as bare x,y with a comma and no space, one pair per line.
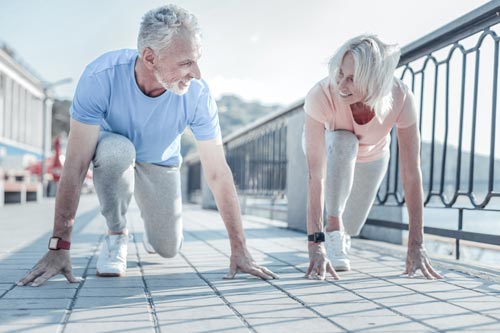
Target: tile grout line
147,292
62,326
433,297
219,294
331,282
279,288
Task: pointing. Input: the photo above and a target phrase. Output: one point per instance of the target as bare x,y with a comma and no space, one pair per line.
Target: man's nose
195,71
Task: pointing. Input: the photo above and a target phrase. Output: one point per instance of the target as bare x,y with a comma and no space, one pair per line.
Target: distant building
21,113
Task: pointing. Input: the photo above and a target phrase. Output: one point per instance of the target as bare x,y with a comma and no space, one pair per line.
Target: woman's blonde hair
374,65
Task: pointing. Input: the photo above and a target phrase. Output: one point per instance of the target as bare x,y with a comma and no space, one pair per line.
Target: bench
19,187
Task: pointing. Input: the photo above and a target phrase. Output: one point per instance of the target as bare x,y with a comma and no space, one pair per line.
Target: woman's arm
411,174
316,160
319,264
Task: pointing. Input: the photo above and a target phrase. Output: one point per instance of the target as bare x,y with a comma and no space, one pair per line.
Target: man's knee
167,249
114,152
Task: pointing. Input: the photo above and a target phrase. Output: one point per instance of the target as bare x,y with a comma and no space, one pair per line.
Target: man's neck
146,80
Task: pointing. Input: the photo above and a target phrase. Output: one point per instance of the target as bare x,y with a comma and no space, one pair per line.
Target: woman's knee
342,143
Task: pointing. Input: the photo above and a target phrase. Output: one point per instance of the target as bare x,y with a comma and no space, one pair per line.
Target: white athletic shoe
112,259
338,244
147,245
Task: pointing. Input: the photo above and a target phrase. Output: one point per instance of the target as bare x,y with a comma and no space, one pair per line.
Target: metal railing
460,150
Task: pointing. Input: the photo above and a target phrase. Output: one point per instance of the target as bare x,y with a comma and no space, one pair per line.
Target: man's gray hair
160,25
374,65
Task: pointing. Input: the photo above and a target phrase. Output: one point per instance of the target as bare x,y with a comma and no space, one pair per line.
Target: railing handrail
464,26
264,120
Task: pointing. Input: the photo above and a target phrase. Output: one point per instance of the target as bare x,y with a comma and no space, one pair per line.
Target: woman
349,116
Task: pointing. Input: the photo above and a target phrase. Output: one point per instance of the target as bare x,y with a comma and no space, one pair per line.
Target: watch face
53,243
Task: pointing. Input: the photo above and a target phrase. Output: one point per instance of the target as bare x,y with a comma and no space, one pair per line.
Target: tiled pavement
188,294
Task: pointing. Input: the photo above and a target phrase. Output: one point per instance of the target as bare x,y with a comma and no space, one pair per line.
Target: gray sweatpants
350,186
157,191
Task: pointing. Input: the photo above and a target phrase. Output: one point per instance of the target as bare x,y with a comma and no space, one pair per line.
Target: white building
21,113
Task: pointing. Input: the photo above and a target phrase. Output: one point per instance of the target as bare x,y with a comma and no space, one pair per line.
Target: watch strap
56,243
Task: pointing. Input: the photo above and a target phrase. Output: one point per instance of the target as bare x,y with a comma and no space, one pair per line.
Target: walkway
188,294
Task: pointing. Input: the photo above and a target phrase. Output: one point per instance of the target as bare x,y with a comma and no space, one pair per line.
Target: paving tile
109,302
109,327
31,317
46,293
222,325
382,323
111,292
34,303
111,314
29,328
462,322
293,324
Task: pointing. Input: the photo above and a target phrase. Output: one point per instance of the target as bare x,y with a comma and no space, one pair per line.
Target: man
129,111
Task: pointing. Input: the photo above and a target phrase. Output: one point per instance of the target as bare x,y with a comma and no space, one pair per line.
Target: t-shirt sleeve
316,104
89,103
205,123
408,115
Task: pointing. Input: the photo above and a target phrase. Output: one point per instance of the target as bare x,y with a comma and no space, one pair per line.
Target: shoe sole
110,274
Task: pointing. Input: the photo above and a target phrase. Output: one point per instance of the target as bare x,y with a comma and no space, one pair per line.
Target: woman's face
344,79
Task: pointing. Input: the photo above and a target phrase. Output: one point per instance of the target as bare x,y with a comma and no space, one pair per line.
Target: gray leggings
156,189
350,187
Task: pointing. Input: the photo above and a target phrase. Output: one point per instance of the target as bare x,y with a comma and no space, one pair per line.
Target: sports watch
56,243
317,237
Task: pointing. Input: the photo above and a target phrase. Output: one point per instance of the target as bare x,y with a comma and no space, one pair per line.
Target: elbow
216,176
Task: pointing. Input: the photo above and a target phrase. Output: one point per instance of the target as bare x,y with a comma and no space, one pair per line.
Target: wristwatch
317,237
56,243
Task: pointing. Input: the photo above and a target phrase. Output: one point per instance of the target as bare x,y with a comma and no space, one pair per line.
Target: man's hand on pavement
52,263
319,264
241,261
416,259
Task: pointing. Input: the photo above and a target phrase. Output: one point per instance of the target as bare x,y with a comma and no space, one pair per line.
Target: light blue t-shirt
108,95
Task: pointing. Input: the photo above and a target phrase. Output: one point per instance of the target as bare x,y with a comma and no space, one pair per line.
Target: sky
272,51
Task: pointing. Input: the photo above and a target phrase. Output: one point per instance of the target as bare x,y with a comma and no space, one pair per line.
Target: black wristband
317,237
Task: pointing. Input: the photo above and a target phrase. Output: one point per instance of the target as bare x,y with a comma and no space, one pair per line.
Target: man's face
178,63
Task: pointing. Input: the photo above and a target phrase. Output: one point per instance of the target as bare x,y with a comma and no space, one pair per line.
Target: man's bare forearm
68,196
224,191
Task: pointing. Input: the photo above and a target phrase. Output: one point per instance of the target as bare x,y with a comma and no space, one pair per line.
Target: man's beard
173,87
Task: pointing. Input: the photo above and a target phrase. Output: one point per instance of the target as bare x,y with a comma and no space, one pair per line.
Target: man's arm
411,174
220,180
82,142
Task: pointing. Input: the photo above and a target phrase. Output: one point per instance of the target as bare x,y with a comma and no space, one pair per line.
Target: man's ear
149,58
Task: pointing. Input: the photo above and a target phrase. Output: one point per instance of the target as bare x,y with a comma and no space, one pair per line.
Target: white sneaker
147,245
337,245
112,259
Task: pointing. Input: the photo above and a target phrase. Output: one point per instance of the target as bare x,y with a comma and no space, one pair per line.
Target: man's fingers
330,270
71,278
44,277
30,277
269,272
